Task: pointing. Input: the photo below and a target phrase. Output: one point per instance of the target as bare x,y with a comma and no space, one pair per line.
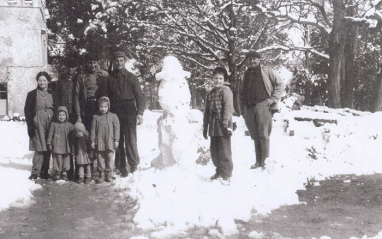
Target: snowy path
68,211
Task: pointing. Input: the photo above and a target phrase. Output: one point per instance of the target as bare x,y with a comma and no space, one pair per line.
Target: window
28,1
12,1
3,91
3,98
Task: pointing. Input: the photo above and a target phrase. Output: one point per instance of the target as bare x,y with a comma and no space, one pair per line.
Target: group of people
96,94
59,122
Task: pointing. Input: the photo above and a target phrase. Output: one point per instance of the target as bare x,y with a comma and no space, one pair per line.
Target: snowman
173,126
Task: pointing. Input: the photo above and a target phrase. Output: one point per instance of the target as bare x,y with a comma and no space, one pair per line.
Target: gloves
205,133
116,144
31,132
93,145
227,131
269,102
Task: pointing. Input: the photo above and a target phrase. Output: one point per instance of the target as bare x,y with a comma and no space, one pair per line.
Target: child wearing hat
104,138
80,149
58,142
217,123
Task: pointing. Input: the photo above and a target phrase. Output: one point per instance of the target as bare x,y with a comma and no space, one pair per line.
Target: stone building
23,51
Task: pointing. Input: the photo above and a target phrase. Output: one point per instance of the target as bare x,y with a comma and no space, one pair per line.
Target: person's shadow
19,166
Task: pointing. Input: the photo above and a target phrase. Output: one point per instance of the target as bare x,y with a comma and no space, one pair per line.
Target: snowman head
172,70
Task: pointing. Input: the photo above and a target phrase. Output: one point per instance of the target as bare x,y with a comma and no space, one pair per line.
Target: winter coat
59,135
273,84
30,106
105,130
125,93
218,110
80,146
80,93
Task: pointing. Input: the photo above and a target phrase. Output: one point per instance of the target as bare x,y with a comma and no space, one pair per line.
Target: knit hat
79,127
253,54
63,108
119,54
104,98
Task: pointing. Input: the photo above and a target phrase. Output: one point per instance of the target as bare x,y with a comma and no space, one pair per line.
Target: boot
80,180
64,176
88,180
215,176
33,177
101,178
109,177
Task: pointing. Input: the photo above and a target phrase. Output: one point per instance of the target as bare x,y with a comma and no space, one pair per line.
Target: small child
217,121
104,137
58,143
80,153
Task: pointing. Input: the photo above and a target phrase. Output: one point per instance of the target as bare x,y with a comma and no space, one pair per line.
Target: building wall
23,49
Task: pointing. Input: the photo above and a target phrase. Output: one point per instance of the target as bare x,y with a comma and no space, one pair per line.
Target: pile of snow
15,165
178,198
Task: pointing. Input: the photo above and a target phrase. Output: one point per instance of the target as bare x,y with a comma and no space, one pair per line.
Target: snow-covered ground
15,166
176,198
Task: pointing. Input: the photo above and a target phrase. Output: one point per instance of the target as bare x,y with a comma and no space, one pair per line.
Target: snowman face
218,79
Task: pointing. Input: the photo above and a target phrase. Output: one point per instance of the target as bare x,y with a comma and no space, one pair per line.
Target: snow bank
15,164
177,198
180,197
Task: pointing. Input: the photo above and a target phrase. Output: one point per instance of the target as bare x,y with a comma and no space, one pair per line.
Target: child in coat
58,142
80,149
217,122
104,138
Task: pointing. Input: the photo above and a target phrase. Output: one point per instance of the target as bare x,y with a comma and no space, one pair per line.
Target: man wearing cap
260,92
89,87
128,102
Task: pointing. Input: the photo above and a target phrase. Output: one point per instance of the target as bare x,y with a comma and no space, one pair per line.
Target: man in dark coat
65,91
88,88
259,94
128,102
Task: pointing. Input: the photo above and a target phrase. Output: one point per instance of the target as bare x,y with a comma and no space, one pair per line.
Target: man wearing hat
88,88
128,102
259,94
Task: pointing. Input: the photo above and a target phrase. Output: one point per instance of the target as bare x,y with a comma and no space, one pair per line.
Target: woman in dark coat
39,109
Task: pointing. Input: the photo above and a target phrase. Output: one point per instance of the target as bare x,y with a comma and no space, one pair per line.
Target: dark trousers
259,123
127,158
91,108
72,174
221,155
40,166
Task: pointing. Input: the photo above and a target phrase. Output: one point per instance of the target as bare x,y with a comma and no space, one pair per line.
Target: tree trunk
378,101
193,96
232,36
350,53
336,53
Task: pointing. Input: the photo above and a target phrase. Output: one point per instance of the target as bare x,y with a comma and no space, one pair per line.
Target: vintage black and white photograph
191,119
